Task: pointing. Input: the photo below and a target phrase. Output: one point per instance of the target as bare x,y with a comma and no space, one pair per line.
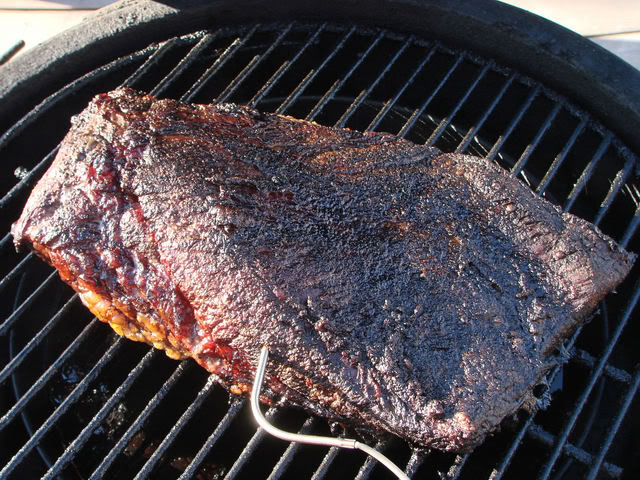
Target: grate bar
524,158
184,63
46,376
290,452
251,66
17,313
597,463
415,461
621,177
587,172
515,121
15,271
62,408
517,441
15,47
250,448
370,463
176,429
293,96
75,446
585,358
232,413
99,472
365,93
324,466
390,103
269,84
456,467
217,65
444,123
339,83
28,178
559,159
17,360
538,433
296,92
418,112
464,144
158,53
497,474
6,240
562,439
239,78
631,229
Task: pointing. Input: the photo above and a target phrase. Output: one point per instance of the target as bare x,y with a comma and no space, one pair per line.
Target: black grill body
79,402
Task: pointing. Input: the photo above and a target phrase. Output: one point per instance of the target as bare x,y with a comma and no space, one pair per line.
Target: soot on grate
79,402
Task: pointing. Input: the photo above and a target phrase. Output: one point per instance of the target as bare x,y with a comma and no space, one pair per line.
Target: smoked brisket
398,288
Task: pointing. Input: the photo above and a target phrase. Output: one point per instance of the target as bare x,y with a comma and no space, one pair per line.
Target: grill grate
54,363
137,424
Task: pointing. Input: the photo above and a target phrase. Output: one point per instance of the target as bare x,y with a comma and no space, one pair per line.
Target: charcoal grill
475,77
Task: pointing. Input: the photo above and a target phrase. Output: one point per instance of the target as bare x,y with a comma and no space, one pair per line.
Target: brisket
398,288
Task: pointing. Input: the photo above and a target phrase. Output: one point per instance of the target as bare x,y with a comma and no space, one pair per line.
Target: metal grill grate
66,383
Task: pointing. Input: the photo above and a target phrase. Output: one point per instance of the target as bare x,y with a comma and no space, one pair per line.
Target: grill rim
592,77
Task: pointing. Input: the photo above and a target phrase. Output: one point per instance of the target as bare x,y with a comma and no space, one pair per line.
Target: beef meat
398,288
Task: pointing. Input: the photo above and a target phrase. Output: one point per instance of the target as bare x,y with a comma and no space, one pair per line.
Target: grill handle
312,439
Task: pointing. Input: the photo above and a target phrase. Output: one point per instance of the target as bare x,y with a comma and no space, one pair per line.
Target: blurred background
613,24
